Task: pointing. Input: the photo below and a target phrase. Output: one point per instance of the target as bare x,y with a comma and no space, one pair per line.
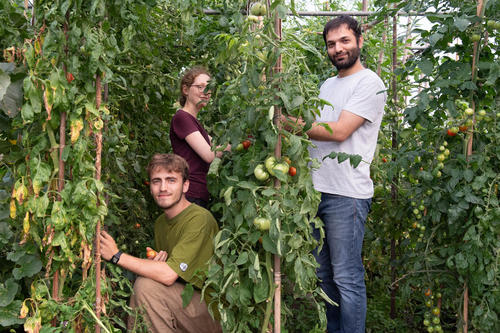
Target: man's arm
341,129
156,269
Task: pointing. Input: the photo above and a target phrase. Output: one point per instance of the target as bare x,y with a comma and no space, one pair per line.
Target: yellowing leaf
24,310
26,223
76,128
12,209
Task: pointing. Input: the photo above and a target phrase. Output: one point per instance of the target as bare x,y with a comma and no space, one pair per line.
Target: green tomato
475,38
440,165
490,24
481,112
253,19
270,163
441,157
260,173
283,167
262,223
469,111
442,148
239,147
427,322
435,320
446,152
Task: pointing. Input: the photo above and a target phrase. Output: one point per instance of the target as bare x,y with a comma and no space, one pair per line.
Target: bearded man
357,97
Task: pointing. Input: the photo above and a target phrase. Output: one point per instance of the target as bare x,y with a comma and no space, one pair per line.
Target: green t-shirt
188,240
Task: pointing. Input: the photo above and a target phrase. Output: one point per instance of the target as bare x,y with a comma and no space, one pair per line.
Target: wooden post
394,147
277,154
97,259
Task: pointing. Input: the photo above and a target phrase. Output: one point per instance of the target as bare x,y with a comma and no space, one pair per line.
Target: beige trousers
163,309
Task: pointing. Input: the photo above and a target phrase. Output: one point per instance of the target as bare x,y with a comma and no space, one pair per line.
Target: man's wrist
116,257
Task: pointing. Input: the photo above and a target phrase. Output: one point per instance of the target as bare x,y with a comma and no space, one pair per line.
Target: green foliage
443,218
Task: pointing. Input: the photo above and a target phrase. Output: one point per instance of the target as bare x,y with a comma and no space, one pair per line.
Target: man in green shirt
184,235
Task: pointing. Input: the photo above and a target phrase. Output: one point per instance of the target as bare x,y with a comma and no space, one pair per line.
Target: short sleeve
193,251
183,124
368,99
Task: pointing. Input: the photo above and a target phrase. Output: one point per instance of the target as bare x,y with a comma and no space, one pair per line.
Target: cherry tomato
69,77
151,254
246,144
137,225
428,292
292,171
436,311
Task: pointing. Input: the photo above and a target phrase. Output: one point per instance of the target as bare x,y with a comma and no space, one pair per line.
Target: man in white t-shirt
357,96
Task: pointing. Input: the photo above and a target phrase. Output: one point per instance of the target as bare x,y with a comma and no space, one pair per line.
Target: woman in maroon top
188,137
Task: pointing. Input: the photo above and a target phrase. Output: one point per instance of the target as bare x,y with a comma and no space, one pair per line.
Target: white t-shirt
364,94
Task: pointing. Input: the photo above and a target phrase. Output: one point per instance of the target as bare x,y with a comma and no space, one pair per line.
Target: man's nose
164,186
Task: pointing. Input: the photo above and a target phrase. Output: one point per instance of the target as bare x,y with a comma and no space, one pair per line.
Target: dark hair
337,22
170,163
188,79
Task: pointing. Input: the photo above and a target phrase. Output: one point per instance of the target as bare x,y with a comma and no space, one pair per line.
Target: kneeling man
184,235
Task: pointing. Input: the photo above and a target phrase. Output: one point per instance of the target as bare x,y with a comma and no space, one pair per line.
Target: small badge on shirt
183,266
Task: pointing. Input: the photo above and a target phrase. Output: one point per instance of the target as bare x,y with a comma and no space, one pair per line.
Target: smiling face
343,48
195,93
167,187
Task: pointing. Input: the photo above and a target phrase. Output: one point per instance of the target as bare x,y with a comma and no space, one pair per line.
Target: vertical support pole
97,259
475,58
277,153
394,147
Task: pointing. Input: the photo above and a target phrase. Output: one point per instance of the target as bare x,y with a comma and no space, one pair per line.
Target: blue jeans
341,270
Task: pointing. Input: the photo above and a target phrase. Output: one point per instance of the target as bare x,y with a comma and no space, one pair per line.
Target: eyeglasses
201,88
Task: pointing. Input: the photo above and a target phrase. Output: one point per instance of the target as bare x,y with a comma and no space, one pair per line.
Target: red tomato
292,171
69,77
246,144
151,254
137,226
463,128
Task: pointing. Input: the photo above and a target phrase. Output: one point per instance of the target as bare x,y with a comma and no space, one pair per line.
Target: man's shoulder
194,211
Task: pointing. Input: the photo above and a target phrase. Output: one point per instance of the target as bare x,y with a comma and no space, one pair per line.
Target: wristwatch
116,257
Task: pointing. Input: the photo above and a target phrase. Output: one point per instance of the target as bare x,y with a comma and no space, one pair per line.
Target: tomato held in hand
151,254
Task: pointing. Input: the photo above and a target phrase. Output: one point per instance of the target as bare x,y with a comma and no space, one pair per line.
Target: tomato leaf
187,294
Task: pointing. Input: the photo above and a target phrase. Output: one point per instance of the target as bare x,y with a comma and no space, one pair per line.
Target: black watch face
114,259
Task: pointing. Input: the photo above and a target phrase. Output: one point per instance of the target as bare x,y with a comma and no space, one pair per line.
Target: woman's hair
188,79
169,163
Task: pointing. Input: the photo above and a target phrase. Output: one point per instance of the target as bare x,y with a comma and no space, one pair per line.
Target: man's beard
352,57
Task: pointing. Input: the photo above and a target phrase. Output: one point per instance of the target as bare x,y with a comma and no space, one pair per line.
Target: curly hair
188,79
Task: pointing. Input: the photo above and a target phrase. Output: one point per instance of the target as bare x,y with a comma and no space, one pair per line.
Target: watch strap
116,257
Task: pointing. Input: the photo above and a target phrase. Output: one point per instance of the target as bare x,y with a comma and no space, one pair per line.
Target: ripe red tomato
246,144
292,171
151,254
428,292
137,225
384,159
452,131
69,77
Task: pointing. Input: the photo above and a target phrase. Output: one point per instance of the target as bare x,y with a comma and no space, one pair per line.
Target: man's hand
292,124
108,246
160,256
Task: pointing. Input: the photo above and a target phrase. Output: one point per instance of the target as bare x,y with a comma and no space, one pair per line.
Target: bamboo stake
394,190
98,139
382,49
277,153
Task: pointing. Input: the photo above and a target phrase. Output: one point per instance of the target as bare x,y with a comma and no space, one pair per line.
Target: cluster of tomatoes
432,318
272,166
257,9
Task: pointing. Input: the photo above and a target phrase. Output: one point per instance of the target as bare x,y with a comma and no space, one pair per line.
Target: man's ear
185,186
360,42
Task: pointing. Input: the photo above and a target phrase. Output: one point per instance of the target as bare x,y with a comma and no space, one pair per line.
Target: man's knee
145,288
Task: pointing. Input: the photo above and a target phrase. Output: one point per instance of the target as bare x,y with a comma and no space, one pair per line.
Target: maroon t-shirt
183,124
